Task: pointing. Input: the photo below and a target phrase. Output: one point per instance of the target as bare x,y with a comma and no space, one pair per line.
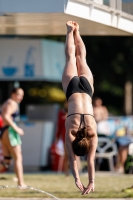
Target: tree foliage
111,62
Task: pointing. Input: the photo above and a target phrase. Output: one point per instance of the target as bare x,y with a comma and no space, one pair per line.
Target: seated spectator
122,144
101,116
100,111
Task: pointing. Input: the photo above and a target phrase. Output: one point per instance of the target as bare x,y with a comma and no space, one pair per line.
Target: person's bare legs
17,156
70,69
16,151
83,69
7,158
5,150
123,152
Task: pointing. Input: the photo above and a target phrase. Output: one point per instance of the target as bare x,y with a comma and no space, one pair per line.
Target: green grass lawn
107,186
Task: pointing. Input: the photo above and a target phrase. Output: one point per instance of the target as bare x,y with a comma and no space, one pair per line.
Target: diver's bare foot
76,26
70,26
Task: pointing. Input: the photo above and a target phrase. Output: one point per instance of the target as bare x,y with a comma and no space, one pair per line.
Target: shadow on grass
3,178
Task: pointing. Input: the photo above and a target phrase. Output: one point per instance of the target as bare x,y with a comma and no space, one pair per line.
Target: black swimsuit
81,118
2,129
79,85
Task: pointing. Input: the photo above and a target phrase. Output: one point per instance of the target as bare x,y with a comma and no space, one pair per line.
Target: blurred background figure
10,134
122,145
101,115
100,111
1,121
60,136
1,152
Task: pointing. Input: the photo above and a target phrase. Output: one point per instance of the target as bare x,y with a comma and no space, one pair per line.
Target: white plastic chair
130,153
130,149
106,149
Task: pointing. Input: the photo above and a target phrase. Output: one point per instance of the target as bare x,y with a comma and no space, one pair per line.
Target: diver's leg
83,69
70,69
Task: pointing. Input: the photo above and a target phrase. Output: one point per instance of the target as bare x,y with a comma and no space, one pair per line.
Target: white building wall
60,10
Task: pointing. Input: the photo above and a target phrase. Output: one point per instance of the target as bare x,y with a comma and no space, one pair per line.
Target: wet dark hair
81,144
14,90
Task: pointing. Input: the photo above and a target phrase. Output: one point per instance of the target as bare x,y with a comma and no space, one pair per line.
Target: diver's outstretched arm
91,166
73,162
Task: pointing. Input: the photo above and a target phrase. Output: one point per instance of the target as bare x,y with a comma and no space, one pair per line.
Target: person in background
122,145
10,134
101,116
100,111
60,134
1,153
1,121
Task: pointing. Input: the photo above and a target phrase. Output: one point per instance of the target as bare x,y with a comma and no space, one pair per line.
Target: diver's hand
19,131
79,185
89,188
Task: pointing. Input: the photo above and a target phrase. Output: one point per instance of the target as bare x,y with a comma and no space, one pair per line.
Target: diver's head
81,144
